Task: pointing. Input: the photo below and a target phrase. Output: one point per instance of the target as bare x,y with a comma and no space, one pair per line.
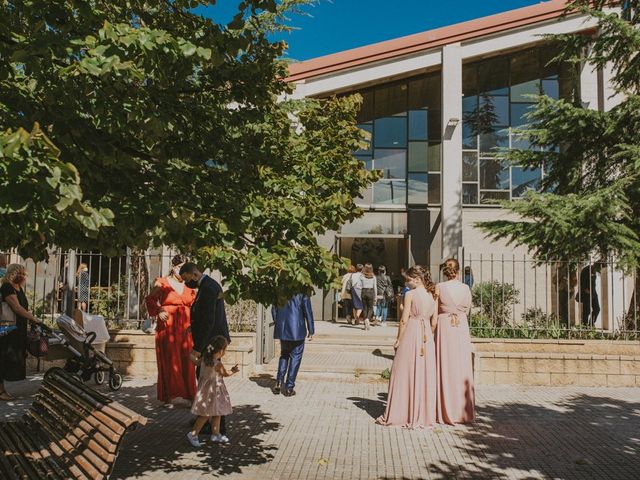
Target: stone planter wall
134,354
594,363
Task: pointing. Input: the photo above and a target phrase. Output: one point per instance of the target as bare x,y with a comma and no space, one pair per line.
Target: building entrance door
392,251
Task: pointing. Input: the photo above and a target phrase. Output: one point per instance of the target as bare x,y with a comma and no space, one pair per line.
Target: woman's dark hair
359,267
450,268
382,270
178,260
217,344
424,275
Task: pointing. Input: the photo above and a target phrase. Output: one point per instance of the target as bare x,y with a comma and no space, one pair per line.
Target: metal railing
513,296
114,287
518,297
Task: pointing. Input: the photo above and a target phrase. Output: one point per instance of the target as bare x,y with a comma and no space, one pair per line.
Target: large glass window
403,119
498,93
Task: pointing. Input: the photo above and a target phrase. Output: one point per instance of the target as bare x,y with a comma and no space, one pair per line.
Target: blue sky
336,25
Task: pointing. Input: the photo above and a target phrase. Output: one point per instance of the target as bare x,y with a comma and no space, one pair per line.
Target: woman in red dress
170,302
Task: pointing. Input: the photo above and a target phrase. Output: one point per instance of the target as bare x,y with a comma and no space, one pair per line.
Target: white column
589,86
451,149
610,98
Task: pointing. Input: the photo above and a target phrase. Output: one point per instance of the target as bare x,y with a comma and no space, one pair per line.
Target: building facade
438,105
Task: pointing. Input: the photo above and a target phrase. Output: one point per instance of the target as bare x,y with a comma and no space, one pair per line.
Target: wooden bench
70,431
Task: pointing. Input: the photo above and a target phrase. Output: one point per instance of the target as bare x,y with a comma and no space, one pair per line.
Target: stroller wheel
115,381
98,377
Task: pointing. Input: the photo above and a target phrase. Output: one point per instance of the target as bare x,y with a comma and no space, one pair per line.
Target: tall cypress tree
589,203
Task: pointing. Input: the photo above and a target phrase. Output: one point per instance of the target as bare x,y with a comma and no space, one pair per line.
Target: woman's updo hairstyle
451,268
178,260
424,275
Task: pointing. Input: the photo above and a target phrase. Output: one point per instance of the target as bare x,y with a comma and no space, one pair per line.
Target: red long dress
176,373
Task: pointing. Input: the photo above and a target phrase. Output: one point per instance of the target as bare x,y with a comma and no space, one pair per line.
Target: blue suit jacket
294,319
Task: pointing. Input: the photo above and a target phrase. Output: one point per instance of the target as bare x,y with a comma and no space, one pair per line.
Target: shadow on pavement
378,353
374,408
583,436
162,447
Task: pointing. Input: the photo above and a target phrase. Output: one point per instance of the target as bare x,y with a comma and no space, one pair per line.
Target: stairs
341,350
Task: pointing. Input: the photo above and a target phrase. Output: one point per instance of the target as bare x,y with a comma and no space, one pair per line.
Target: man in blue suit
294,323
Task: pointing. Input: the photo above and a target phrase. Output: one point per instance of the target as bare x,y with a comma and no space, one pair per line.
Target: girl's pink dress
412,388
212,398
456,396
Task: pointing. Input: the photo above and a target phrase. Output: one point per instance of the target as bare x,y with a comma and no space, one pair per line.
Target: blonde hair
81,268
13,271
367,271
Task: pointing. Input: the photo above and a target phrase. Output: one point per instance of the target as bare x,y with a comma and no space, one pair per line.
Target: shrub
242,316
495,299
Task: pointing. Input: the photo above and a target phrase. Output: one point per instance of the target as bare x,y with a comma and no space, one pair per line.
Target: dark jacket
294,319
208,318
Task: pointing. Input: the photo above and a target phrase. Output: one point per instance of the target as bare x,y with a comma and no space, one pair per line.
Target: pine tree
589,203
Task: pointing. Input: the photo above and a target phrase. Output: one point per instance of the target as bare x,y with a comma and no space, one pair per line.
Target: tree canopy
140,123
590,199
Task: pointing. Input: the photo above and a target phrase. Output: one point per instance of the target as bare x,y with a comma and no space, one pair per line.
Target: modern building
437,104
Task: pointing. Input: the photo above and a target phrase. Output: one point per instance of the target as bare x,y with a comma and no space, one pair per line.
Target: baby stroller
83,350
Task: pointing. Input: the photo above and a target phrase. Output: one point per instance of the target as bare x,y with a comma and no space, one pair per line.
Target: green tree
591,188
590,198
173,130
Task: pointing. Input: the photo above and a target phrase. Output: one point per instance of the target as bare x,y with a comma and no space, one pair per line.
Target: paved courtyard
327,431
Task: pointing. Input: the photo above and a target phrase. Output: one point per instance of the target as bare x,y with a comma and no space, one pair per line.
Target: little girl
212,399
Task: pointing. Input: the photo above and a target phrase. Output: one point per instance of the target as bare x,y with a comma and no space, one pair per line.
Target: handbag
7,316
37,344
349,285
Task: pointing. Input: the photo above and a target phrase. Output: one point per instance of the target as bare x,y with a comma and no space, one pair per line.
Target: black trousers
369,302
590,308
206,430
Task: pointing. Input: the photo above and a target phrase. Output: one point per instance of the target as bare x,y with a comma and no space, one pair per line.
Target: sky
335,25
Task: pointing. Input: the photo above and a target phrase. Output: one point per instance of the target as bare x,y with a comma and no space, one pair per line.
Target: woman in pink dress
411,402
456,397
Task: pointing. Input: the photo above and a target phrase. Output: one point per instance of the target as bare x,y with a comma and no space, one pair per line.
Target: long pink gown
456,396
412,388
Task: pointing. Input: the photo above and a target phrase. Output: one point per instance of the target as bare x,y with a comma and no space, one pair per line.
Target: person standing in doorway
345,294
208,316
588,295
294,323
369,288
83,286
356,293
385,295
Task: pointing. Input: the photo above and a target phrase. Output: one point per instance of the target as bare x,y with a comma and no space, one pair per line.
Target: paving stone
327,431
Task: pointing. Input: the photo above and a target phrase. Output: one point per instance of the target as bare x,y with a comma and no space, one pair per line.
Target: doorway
392,251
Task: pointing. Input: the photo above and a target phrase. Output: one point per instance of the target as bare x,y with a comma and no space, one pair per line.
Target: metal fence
516,296
513,296
114,287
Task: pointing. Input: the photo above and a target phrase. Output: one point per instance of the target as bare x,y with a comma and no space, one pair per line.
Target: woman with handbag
345,294
15,311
